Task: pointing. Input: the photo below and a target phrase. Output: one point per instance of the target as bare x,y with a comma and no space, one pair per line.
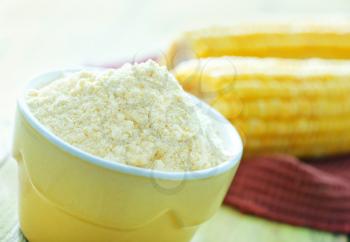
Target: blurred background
39,35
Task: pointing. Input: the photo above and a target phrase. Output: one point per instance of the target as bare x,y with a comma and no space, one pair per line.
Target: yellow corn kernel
298,40
301,107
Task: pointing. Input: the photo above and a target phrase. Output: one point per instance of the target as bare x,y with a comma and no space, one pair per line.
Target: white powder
137,115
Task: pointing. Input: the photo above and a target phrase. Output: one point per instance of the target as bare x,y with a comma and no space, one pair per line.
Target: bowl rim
236,151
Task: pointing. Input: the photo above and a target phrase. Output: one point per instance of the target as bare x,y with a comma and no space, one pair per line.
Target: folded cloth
120,63
308,193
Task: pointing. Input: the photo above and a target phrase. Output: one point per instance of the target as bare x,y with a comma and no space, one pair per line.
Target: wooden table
39,35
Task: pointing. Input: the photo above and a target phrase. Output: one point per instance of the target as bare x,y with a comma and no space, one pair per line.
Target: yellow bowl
69,195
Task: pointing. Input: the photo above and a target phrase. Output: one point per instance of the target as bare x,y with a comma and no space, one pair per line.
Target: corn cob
264,40
301,107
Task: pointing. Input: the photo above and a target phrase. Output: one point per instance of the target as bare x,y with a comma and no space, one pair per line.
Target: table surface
39,35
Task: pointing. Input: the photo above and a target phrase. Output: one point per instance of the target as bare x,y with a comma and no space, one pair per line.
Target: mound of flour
137,115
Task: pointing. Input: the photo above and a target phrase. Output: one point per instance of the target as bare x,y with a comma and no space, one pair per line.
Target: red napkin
306,193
